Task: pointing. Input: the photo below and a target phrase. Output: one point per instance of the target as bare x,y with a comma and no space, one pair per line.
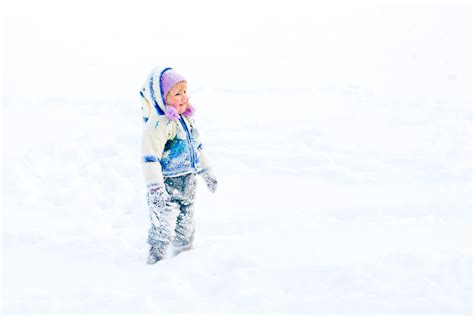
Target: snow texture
340,136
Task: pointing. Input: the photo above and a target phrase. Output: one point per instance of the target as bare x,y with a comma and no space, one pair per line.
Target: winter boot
154,255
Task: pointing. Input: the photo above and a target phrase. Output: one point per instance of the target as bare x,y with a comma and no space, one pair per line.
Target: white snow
340,135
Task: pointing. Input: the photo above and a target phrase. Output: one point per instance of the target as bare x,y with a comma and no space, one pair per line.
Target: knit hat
168,79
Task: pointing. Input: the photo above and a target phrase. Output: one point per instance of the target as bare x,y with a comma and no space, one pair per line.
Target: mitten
210,180
157,195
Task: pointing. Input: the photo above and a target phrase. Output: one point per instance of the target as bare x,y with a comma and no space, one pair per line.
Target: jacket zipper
188,136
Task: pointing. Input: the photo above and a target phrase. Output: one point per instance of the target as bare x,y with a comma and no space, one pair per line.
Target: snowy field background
340,134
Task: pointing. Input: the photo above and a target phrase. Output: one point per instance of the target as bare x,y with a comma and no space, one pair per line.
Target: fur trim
171,113
190,110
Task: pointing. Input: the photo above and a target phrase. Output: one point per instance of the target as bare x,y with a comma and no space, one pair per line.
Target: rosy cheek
173,102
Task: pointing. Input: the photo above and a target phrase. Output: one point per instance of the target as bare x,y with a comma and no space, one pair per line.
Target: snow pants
173,225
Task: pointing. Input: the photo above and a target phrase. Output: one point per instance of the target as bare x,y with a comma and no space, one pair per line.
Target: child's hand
157,195
210,179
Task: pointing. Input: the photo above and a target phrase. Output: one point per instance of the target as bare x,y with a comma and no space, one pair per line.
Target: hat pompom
171,113
189,110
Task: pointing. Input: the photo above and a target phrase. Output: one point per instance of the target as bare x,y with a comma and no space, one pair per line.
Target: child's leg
184,231
162,230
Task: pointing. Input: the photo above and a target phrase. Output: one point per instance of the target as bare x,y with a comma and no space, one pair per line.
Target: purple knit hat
168,79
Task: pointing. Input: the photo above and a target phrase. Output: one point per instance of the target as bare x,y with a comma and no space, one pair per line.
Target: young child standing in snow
172,157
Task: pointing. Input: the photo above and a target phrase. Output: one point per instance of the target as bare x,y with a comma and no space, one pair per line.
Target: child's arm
206,173
155,135
205,164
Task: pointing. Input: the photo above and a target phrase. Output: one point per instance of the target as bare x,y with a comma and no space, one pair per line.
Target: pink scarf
171,113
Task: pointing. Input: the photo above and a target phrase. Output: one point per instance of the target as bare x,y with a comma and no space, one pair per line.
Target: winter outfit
172,156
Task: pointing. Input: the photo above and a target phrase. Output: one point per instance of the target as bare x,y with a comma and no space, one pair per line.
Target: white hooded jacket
170,148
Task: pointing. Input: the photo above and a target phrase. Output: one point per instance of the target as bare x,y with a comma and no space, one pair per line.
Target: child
172,157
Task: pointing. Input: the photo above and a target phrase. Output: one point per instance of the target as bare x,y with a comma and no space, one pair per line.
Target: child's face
178,98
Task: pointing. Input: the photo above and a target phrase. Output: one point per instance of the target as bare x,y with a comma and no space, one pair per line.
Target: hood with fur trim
153,100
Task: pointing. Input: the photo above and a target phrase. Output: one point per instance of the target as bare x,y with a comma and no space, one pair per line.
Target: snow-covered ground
344,185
